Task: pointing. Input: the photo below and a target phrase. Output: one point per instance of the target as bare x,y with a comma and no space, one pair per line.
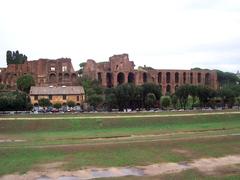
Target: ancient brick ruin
119,70
44,71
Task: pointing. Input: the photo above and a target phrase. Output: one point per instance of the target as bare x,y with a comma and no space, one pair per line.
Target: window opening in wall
199,78
64,68
168,77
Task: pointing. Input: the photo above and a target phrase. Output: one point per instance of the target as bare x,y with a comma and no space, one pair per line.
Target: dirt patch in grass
207,165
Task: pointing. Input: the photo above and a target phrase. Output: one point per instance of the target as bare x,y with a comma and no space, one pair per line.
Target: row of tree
44,102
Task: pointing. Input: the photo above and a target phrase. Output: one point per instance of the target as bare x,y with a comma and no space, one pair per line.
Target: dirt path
120,116
125,140
52,171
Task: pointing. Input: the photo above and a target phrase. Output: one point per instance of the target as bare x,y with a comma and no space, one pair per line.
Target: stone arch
131,77
191,78
52,77
60,76
207,79
73,77
168,77
199,77
168,89
184,77
160,77
145,79
66,76
120,78
176,77
109,79
176,87
99,77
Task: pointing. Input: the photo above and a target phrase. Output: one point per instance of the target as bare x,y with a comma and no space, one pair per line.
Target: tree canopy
25,82
14,57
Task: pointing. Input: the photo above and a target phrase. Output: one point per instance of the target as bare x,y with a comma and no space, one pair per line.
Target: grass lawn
177,139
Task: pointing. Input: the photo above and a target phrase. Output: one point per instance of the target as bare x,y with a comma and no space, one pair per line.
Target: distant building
45,72
58,94
238,74
119,70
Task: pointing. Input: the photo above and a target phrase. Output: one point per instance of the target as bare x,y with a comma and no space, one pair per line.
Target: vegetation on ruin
14,57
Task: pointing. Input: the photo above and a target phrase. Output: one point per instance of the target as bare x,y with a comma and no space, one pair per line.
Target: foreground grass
42,135
76,130
77,157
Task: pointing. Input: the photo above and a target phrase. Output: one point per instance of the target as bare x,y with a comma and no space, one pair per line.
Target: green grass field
125,141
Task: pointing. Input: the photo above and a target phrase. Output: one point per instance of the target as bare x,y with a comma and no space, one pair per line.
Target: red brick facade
45,72
120,70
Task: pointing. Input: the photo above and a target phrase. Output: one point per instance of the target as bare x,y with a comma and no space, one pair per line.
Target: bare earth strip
52,171
120,116
124,140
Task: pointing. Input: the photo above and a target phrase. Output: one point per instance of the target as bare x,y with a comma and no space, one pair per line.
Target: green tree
193,91
174,101
151,88
205,94
150,100
81,65
227,95
182,93
15,57
227,78
71,103
165,101
111,101
237,100
44,102
57,105
25,82
14,101
95,100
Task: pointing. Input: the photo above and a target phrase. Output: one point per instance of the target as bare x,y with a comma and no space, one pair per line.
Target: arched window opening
176,77
52,77
160,77
168,90
199,78
109,80
207,79
184,78
120,78
131,78
144,77
191,78
168,77
99,77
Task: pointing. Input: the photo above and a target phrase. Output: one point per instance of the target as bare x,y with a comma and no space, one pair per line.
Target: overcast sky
169,34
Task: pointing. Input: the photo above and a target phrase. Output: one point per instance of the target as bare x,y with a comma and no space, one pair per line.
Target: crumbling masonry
119,70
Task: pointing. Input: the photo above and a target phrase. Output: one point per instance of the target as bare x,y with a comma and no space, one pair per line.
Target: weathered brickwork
120,70
45,72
